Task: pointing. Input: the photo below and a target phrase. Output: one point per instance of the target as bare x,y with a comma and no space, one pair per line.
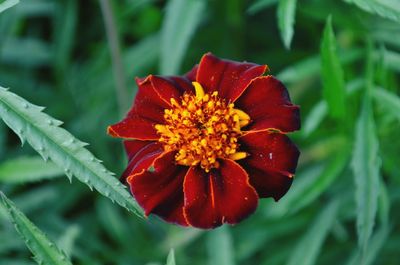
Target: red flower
204,147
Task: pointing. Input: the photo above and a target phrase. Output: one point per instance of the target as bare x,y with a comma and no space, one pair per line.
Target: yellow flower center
202,128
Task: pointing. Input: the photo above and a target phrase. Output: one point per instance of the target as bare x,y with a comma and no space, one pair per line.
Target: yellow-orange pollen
202,128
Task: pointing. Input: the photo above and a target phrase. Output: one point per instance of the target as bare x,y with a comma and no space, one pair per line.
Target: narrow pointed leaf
385,8
220,247
44,250
332,74
171,257
181,20
309,246
286,18
388,100
28,169
366,166
260,5
7,4
43,133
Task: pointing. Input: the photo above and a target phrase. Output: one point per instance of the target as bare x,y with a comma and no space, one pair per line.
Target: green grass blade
171,257
332,74
286,17
309,246
366,167
28,169
388,100
45,251
43,133
7,4
385,8
220,247
181,19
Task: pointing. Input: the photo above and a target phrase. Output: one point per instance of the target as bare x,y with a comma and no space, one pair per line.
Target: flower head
204,147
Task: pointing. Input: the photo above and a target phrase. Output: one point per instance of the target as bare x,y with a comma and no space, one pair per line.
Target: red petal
152,99
148,103
267,102
134,127
142,158
271,163
229,78
160,191
223,195
133,146
171,87
191,75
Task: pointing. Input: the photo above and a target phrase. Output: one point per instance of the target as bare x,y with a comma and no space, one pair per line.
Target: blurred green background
339,59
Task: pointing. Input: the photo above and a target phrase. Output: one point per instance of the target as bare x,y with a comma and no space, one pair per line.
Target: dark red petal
267,102
229,78
223,195
133,146
134,127
271,163
269,183
171,87
160,190
148,103
191,75
142,158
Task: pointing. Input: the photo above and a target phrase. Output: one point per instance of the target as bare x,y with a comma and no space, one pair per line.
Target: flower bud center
202,128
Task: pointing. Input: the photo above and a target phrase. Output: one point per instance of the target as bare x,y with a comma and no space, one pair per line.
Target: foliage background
339,59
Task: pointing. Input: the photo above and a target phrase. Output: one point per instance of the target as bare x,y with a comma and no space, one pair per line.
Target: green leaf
309,246
286,17
52,142
67,241
220,247
7,4
27,169
181,19
323,182
366,167
314,118
392,60
385,8
388,100
171,257
332,74
377,242
45,251
311,66
260,5
320,110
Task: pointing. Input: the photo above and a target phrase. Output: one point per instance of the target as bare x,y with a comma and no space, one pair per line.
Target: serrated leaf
7,4
171,257
181,19
220,247
286,16
45,251
366,167
385,8
309,246
260,5
332,74
388,100
28,169
43,133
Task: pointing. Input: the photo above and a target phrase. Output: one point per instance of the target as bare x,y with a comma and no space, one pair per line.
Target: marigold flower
204,147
